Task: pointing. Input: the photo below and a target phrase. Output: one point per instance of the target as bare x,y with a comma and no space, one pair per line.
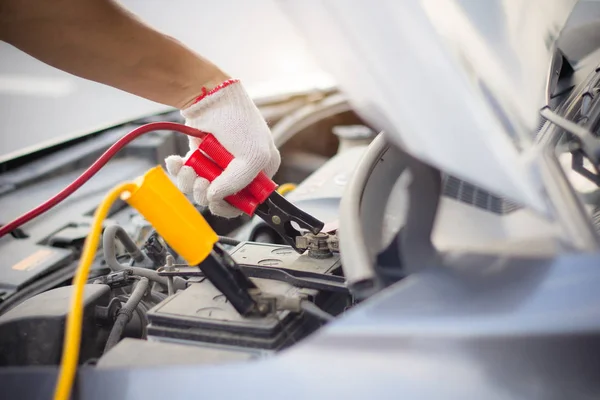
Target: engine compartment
186,310
479,297
183,320
181,309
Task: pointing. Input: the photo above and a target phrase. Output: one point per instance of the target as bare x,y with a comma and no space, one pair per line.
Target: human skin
101,41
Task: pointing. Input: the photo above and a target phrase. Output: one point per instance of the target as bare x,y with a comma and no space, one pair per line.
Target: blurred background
40,105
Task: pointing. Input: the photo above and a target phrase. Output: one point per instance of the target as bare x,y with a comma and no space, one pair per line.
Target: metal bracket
302,279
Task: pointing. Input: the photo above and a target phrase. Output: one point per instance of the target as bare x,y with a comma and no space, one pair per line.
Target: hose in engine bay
113,232
72,338
126,313
167,209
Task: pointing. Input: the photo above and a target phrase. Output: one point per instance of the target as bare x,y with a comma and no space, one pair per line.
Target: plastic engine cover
32,332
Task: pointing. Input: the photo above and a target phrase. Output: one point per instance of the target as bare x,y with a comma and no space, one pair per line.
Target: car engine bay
388,218
179,307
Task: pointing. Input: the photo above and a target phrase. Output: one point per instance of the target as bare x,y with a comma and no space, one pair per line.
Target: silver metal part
333,243
317,245
168,267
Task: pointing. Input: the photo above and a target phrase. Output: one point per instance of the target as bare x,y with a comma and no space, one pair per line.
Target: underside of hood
457,83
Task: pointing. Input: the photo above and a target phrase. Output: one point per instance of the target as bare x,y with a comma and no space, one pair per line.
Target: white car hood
458,83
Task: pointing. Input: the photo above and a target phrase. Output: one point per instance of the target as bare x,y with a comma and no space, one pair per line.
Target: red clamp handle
260,188
207,169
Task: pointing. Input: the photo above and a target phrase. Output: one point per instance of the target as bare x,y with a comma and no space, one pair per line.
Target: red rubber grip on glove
260,188
207,169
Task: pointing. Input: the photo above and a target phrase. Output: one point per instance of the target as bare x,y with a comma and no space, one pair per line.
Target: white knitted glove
230,115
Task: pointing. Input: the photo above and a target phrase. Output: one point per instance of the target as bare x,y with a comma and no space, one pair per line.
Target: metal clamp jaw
224,273
279,214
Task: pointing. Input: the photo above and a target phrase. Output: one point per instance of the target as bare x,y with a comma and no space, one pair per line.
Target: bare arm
100,41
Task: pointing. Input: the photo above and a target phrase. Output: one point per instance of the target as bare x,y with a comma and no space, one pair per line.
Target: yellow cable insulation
72,339
286,188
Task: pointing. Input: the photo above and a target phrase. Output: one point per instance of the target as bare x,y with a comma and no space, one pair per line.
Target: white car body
457,83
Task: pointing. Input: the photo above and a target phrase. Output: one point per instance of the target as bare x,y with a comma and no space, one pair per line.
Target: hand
230,115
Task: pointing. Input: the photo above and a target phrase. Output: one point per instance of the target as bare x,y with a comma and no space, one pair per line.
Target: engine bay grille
470,194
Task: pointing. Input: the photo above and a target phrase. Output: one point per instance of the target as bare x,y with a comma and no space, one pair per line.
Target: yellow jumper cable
173,217
72,340
286,188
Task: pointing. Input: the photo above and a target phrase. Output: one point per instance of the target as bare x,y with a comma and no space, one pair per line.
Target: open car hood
457,83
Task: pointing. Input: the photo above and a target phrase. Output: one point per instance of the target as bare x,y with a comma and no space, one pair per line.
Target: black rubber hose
125,313
117,231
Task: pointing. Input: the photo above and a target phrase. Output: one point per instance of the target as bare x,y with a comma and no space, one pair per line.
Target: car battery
200,314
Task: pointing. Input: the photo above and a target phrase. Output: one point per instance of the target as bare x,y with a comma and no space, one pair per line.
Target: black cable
144,306
125,313
113,232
